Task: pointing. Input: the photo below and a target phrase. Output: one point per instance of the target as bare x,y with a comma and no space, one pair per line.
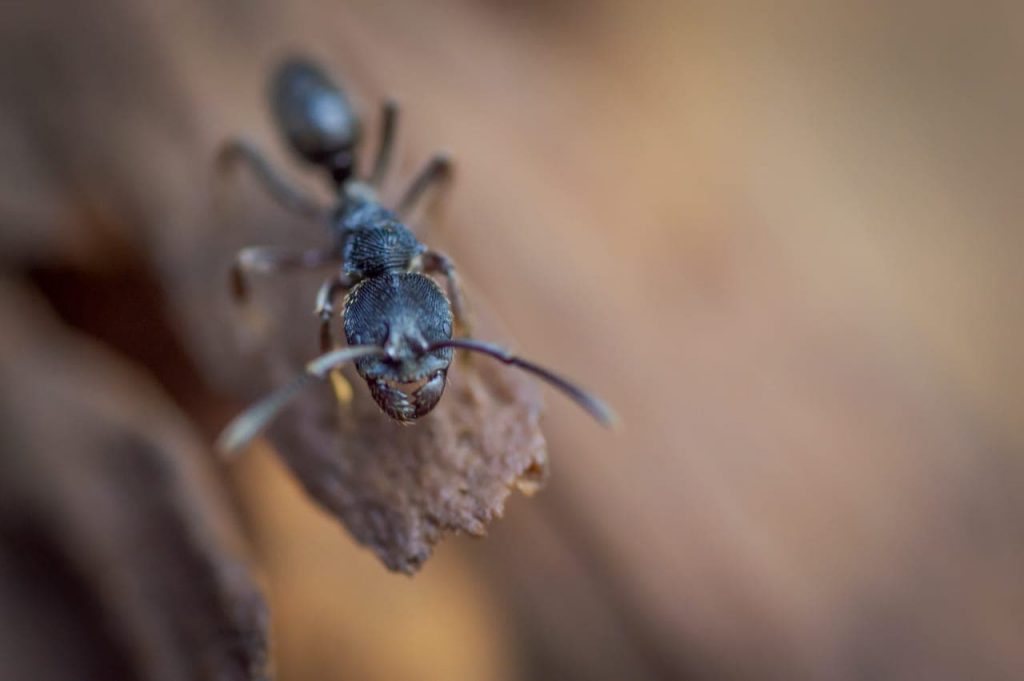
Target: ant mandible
398,323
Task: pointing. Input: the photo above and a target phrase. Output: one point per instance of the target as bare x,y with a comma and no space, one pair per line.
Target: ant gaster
398,323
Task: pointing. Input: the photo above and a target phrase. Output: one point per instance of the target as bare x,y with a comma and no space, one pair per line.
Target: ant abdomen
315,117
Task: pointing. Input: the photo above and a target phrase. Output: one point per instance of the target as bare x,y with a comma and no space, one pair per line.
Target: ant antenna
594,406
247,425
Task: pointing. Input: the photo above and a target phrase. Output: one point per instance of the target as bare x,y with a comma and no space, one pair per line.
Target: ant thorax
387,246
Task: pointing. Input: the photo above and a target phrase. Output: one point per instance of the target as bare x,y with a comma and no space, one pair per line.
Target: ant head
403,405
405,314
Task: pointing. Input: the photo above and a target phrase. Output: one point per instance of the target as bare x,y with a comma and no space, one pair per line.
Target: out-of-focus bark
118,556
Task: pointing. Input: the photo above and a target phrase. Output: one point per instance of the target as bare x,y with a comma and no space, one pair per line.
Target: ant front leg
270,260
434,261
389,127
324,310
437,171
294,199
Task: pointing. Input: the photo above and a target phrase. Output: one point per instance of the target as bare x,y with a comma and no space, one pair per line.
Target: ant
398,323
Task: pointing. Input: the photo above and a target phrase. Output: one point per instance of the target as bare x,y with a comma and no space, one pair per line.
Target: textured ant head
404,314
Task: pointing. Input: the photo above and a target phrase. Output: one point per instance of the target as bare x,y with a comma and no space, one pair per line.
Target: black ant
398,323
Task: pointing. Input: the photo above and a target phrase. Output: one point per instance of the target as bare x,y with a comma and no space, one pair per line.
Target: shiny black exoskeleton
398,323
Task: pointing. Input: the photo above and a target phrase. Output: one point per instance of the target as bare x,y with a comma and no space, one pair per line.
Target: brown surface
118,557
399,489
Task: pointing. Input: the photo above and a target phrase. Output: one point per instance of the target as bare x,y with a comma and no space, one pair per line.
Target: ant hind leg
437,171
239,151
385,150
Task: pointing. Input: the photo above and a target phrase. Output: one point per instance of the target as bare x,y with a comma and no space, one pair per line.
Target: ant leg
437,170
324,310
242,151
389,125
590,402
434,261
270,260
329,291
247,425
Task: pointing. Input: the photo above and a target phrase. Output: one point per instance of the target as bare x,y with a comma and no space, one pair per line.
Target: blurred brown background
783,240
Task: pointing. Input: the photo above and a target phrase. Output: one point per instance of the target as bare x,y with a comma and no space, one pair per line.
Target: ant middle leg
271,260
437,171
389,127
290,197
